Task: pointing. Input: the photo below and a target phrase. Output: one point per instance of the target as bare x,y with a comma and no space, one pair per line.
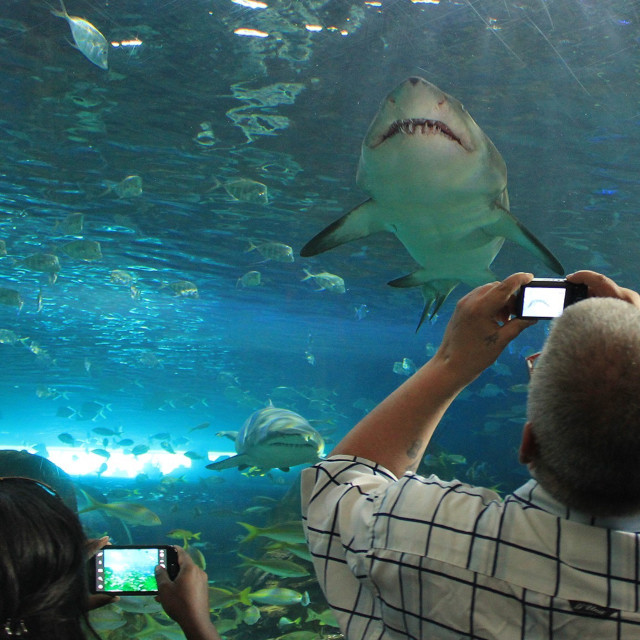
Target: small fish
290,531
361,311
44,262
165,435
106,619
183,289
220,598
326,281
285,623
299,550
130,187
276,567
193,455
87,250
279,596
139,449
249,279
251,615
128,512
120,276
202,425
405,368
247,190
101,452
149,359
276,251
304,634
67,438
184,535
89,41
491,390
167,446
11,298
104,431
72,225
326,617
7,336
127,442
197,556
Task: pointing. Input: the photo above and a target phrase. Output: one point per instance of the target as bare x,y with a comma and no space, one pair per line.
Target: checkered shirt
425,559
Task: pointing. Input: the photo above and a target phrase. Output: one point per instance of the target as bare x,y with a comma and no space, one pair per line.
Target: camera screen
131,570
543,302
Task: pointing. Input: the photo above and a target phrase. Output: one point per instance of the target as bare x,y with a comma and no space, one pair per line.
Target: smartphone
546,298
130,569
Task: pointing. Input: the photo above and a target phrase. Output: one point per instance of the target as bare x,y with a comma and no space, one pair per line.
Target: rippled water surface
221,131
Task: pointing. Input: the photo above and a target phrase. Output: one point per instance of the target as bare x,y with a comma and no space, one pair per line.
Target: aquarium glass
162,165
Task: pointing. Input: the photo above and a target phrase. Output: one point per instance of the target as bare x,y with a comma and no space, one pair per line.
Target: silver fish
276,251
89,41
83,250
326,281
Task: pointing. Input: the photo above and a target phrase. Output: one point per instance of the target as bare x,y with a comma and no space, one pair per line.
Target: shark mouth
418,125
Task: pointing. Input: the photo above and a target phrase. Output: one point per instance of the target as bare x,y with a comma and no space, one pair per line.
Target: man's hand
481,327
602,287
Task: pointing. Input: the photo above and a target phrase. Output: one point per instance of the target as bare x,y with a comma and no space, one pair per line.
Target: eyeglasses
39,483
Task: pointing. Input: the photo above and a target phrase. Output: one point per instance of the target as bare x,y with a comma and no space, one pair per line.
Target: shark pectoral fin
508,226
360,222
415,279
227,463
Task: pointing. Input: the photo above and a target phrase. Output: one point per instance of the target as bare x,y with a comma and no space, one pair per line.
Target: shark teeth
419,125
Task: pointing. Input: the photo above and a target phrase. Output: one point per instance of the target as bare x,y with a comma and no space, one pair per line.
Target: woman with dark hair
43,582
43,586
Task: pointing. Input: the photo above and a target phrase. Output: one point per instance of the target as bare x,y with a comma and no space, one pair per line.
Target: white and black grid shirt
425,559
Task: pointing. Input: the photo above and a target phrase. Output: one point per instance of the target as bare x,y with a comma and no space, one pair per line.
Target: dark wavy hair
43,580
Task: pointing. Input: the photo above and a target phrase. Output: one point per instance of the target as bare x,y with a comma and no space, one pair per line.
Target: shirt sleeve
339,498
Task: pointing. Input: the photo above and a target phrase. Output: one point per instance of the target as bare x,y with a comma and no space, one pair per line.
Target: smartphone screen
128,569
543,302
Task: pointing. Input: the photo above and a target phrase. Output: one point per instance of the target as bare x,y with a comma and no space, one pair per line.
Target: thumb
162,577
514,328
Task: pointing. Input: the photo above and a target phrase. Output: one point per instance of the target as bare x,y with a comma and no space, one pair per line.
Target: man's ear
527,445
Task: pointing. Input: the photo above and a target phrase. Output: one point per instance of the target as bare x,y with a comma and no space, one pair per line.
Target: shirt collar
535,495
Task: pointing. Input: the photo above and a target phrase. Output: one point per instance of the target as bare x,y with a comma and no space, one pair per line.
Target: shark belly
438,183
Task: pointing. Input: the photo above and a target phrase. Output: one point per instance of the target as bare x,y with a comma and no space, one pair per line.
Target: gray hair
584,406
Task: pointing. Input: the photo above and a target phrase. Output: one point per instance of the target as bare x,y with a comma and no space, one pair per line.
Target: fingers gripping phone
130,569
546,298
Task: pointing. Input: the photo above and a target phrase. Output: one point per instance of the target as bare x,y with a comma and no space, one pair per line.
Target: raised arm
186,599
396,433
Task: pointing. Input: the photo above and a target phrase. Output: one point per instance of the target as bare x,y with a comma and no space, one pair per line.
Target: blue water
554,83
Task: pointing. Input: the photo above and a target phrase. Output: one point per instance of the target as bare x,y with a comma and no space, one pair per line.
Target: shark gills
438,183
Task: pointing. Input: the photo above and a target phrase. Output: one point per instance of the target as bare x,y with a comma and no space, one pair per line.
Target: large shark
272,438
439,184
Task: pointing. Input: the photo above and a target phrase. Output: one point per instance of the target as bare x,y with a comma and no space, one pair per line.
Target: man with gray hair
400,555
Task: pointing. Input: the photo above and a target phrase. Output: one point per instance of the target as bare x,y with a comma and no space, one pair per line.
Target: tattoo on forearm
414,449
492,339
